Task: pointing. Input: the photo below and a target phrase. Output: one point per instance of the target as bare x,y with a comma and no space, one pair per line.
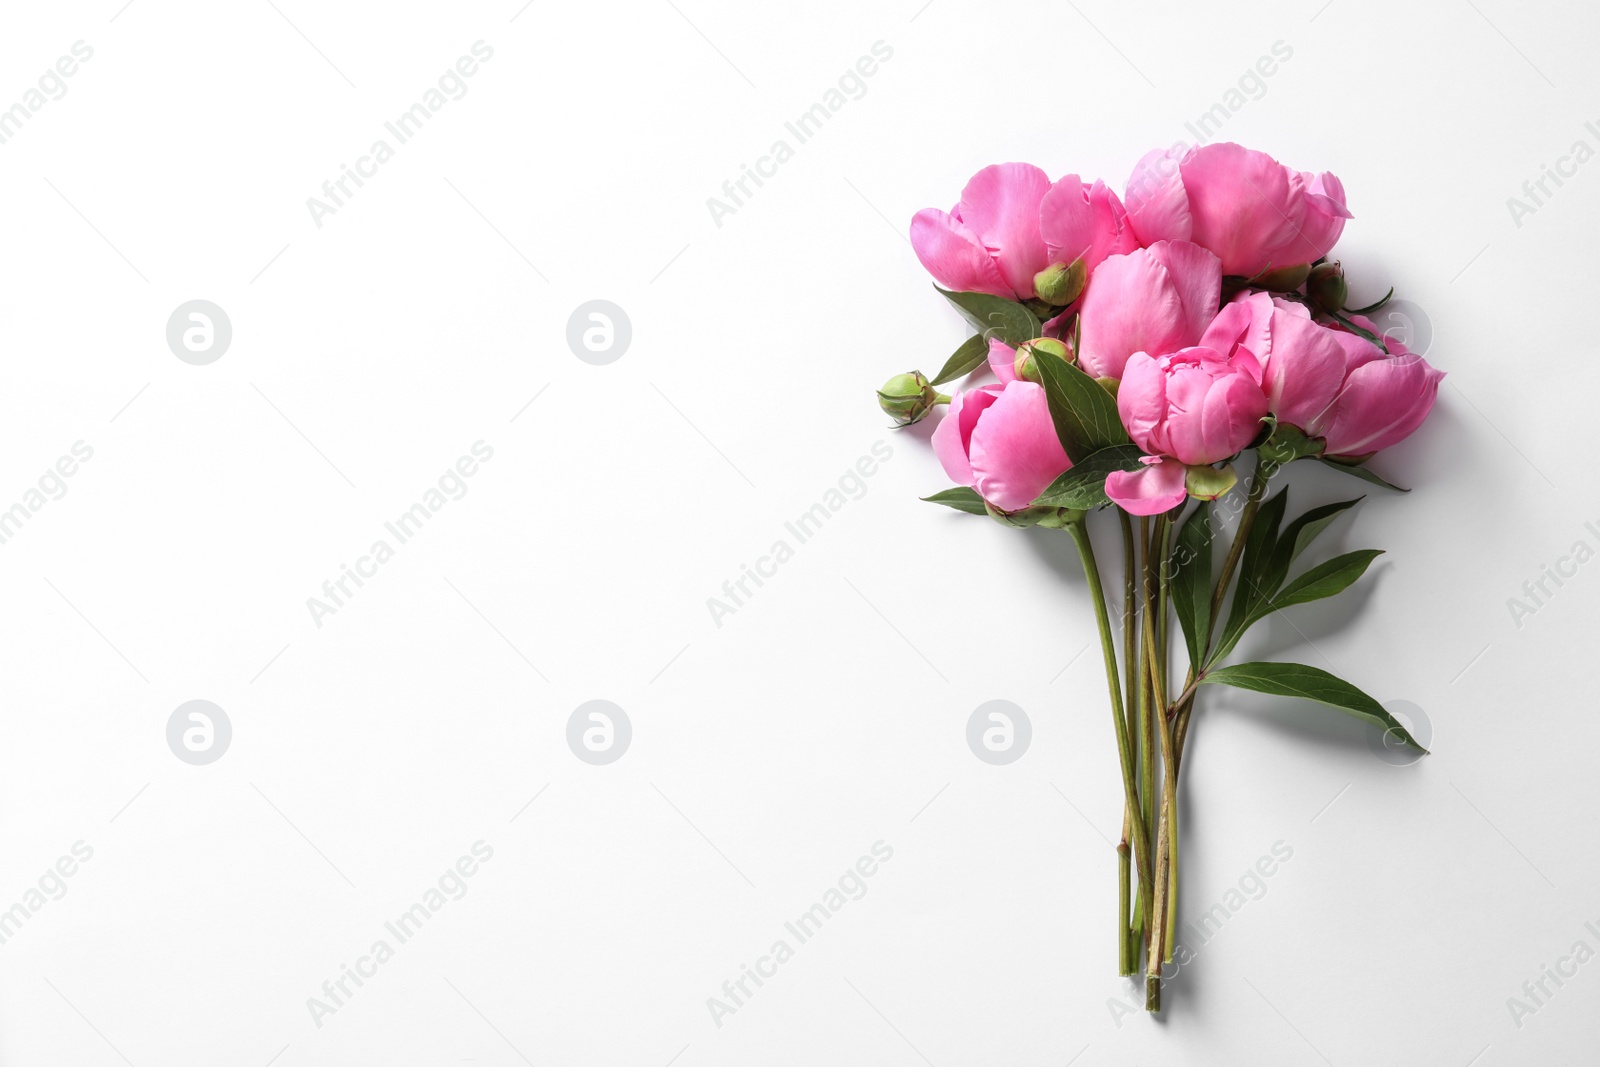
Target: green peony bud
1061,283
907,398
1282,279
1326,287
1047,347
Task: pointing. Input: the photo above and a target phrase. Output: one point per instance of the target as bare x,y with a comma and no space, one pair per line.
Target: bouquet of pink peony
1140,348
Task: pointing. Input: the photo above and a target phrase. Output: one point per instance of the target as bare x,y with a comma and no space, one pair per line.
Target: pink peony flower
1193,407
1013,222
1245,206
1384,397
1154,300
999,440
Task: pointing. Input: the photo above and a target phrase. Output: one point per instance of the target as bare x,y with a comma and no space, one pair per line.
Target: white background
829,712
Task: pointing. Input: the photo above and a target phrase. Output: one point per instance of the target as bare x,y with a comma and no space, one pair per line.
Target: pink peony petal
1002,360
955,256
1154,488
1014,451
1158,206
1131,306
1246,206
1067,221
1323,222
1142,401
1382,403
1304,370
954,433
1001,205
1197,276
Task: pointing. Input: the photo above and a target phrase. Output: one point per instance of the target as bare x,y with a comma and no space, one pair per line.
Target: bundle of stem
1151,732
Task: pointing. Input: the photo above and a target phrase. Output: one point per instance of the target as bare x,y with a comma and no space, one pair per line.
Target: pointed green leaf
1296,537
1311,683
1191,581
1084,485
995,316
961,498
1323,580
973,353
1361,472
1085,415
1258,547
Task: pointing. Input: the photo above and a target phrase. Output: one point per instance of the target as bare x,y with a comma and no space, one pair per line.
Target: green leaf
995,316
1084,485
973,353
1323,580
1296,537
1085,415
1310,683
1191,581
1361,472
1258,547
961,498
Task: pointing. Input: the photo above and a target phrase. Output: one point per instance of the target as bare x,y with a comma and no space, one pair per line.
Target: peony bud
1326,287
1047,347
1282,279
1061,283
907,398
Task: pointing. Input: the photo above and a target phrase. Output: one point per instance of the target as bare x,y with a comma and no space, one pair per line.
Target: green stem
1258,491
1127,942
1185,705
1080,536
1163,629
1155,950
1125,961
1146,740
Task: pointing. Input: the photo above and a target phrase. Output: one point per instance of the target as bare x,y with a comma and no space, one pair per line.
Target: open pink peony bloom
1193,407
1251,210
999,440
1384,397
1013,222
1154,300
1303,363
